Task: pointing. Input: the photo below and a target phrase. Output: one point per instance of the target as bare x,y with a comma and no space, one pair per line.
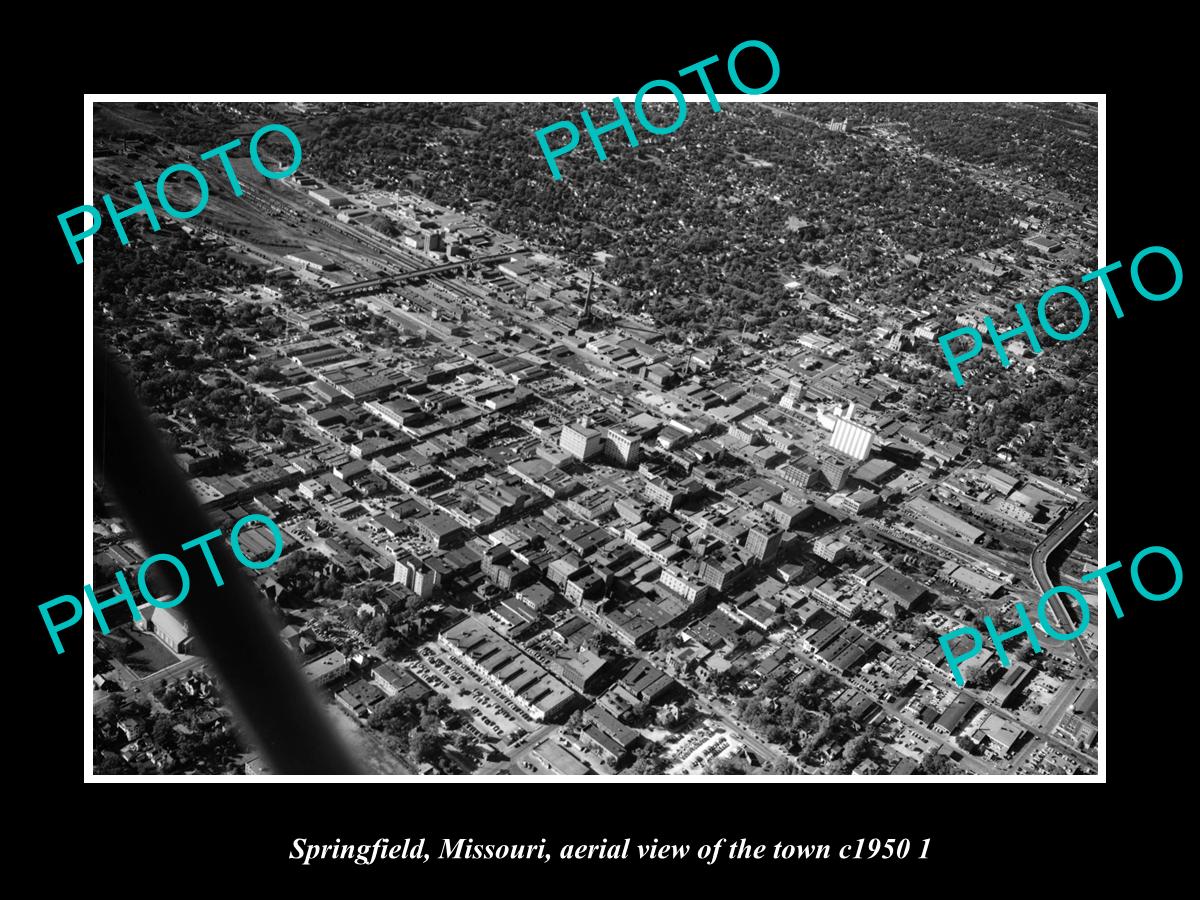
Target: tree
437,705
375,629
664,639
468,749
111,764
856,749
187,746
390,647
360,593
669,716
599,642
139,709
575,721
424,746
727,680
646,761
331,586
162,731
110,713
293,435
396,716
935,763
728,765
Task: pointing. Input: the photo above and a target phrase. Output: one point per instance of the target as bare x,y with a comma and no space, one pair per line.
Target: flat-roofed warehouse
542,696
313,260
329,197
439,530
875,471
933,514
899,588
988,587
1043,243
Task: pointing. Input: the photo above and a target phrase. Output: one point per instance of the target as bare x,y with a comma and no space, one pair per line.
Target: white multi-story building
691,591
621,447
830,549
580,440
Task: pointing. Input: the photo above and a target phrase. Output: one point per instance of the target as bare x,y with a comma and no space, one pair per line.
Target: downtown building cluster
555,508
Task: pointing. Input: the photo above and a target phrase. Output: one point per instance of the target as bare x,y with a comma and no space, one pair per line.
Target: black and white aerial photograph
656,468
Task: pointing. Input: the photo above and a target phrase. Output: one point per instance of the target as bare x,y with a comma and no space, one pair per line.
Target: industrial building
329,197
929,513
900,589
308,259
850,438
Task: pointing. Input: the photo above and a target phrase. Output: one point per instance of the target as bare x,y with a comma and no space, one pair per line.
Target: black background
983,834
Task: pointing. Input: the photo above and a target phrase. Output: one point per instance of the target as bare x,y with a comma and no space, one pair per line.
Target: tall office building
763,538
830,547
801,471
836,472
794,396
580,440
620,447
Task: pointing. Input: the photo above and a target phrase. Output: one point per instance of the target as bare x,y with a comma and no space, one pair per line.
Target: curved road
1037,565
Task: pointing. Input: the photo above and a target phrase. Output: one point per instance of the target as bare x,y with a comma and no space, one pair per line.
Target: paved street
1064,620
749,738
517,749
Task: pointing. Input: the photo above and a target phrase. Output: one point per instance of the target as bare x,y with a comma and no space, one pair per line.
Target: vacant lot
151,656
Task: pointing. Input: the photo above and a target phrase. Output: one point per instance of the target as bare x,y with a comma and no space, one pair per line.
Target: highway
1037,564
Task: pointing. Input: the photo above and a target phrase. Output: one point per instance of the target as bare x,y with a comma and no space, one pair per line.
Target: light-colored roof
167,623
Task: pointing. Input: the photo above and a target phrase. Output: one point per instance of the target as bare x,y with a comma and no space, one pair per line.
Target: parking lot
693,751
541,648
493,716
